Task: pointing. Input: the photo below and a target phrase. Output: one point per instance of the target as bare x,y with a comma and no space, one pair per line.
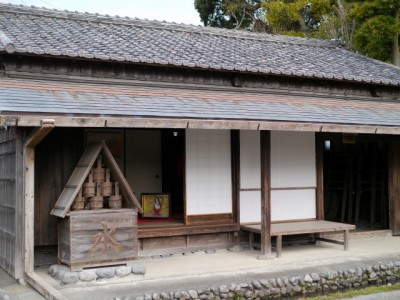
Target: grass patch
354,293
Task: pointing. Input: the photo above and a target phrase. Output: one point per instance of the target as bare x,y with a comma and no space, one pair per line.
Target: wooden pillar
29,208
265,145
319,153
235,165
29,190
394,186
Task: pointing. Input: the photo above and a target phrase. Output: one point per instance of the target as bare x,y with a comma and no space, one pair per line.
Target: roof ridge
155,24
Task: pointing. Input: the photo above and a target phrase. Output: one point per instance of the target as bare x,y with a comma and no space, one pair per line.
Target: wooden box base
93,238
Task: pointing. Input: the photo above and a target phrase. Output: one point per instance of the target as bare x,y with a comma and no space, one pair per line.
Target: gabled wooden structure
97,237
80,174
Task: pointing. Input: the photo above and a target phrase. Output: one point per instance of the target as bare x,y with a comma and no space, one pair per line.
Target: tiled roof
91,36
20,97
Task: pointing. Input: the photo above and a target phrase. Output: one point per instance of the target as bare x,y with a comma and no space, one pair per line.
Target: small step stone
138,269
69,277
123,271
87,275
106,272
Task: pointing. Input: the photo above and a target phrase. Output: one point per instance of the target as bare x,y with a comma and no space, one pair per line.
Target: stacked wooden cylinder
98,191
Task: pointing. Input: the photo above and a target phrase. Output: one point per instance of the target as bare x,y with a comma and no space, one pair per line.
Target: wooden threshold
45,289
182,229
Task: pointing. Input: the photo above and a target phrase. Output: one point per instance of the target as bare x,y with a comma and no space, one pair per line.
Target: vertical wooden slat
319,144
394,186
19,208
265,145
8,219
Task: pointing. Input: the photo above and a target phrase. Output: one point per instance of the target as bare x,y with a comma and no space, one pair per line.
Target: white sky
180,11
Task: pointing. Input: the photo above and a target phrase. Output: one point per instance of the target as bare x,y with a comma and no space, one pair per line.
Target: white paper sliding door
293,175
208,172
250,177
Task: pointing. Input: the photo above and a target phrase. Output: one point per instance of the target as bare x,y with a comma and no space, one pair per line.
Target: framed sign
156,205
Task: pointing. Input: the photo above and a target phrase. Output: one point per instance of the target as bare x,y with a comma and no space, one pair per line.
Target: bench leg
251,240
278,246
346,240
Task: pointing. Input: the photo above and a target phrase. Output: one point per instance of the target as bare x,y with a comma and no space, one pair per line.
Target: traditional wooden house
212,129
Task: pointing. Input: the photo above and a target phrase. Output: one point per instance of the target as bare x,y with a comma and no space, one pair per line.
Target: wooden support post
32,140
29,208
251,240
279,246
265,144
346,240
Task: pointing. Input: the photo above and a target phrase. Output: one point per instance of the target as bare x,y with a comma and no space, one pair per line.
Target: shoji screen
250,176
293,175
208,172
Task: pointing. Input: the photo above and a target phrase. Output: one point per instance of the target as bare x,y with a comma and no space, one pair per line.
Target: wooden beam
143,122
319,153
38,134
265,144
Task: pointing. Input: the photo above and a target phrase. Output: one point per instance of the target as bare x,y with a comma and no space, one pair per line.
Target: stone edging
65,276
284,287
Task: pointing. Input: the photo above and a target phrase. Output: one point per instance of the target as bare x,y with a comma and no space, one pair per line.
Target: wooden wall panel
55,160
209,219
163,243
185,243
8,215
207,240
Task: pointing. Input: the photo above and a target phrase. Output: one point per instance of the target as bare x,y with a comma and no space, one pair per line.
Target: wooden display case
97,238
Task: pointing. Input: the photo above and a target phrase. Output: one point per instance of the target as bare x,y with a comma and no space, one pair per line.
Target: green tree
378,29
296,17
232,14
292,17
338,25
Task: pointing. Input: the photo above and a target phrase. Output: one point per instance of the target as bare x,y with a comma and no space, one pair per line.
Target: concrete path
202,270
12,289
380,296
206,270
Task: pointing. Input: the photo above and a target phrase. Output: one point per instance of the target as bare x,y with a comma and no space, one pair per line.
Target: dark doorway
356,180
173,169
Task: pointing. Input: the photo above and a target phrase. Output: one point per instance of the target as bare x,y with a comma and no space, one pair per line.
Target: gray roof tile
61,33
38,98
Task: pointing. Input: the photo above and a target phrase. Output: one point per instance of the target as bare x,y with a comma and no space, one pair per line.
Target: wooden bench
301,227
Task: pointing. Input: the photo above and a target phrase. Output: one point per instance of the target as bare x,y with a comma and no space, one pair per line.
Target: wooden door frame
394,185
